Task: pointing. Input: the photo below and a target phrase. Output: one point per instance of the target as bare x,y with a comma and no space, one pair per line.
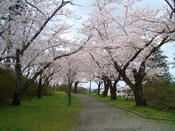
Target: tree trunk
76,86
39,91
113,93
105,89
9,44
140,101
17,95
46,84
113,90
137,86
20,89
69,93
98,90
138,92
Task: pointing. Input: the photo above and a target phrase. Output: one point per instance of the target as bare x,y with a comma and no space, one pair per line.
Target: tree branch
42,27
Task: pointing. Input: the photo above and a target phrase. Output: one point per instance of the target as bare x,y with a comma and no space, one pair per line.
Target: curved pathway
99,116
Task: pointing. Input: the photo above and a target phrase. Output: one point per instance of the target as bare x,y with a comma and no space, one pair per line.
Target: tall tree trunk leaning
76,86
137,86
137,90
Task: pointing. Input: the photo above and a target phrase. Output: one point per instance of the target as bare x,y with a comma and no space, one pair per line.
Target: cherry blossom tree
70,72
23,27
107,74
130,38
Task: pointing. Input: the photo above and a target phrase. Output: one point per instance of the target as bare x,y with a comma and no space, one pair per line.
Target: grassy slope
129,104
51,113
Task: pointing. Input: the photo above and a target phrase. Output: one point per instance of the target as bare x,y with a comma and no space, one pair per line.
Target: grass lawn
129,104
50,113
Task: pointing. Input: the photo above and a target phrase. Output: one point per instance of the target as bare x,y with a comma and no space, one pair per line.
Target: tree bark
138,92
137,86
140,101
39,91
98,90
9,44
69,93
17,95
112,89
113,93
76,86
105,89
139,76
137,89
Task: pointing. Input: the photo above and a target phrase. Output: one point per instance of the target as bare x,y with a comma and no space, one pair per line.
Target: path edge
138,114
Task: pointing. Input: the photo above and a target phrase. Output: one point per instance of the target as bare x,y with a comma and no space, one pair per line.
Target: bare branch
35,7
7,57
71,53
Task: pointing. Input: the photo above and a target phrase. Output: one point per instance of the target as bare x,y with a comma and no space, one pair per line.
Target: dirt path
99,116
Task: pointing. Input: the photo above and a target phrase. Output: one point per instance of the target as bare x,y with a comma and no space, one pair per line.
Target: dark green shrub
62,88
160,94
8,86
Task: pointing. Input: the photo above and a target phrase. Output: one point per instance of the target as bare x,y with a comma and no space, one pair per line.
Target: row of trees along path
120,43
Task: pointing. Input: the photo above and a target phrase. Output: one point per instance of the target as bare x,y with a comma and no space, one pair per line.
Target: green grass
50,113
147,111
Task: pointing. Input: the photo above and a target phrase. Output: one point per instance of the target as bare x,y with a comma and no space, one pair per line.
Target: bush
62,88
8,86
159,94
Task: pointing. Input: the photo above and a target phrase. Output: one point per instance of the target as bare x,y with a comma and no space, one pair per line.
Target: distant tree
158,62
99,83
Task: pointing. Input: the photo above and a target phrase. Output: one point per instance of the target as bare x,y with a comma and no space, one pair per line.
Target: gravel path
99,116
